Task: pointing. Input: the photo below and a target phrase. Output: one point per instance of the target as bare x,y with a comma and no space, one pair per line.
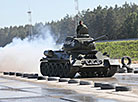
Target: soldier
81,28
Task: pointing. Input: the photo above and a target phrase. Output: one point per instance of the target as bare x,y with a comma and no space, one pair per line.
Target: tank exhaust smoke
25,55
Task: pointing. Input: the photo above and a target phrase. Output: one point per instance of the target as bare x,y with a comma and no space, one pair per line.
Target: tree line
118,22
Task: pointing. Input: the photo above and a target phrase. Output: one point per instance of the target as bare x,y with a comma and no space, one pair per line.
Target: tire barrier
18,74
123,88
33,74
53,78
11,73
25,75
5,73
126,65
41,78
32,77
103,86
136,70
64,79
85,83
73,81
107,86
97,84
123,60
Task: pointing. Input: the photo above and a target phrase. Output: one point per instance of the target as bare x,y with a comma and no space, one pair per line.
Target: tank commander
81,28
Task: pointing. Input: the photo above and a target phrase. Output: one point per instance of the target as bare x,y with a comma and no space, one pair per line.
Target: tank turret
80,43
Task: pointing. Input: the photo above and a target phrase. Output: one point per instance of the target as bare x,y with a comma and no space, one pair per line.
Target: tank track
63,70
104,72
55,69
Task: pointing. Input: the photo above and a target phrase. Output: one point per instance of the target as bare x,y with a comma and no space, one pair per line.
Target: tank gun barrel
97,39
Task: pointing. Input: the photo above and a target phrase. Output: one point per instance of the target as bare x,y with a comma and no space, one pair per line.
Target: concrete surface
25,90
13,89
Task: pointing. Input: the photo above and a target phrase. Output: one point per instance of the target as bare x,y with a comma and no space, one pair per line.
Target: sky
14,12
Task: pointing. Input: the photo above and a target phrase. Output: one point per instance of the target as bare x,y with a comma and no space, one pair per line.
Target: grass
118,49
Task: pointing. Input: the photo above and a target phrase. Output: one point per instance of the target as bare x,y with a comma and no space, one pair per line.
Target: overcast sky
14,12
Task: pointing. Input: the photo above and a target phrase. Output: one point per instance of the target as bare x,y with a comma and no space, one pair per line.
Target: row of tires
103,86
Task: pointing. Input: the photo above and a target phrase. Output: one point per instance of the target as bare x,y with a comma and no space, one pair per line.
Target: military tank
78,55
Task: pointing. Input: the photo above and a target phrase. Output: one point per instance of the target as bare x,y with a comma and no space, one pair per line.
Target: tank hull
71,64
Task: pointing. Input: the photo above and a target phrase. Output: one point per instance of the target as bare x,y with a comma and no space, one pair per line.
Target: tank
78,55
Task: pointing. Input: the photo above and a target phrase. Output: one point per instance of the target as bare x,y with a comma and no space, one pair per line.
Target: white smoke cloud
24,55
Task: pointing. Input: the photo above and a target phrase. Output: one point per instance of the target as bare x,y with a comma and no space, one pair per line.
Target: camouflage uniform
82,29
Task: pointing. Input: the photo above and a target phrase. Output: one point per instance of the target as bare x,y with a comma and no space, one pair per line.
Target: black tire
18,74
96,84
73,81
53,78
64,79
5,73
85,83
107,86
25,75
11,73
41,78
135,71
123,61
32,77
36,74
122,88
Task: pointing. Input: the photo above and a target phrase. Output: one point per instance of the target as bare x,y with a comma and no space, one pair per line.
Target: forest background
118,22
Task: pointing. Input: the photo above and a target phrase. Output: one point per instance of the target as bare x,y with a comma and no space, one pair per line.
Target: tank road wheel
83,74
86,74
55,69
49,69
89,74
111,71
60,70
43,69
93,74
63,70
46,69
100,74
67,70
